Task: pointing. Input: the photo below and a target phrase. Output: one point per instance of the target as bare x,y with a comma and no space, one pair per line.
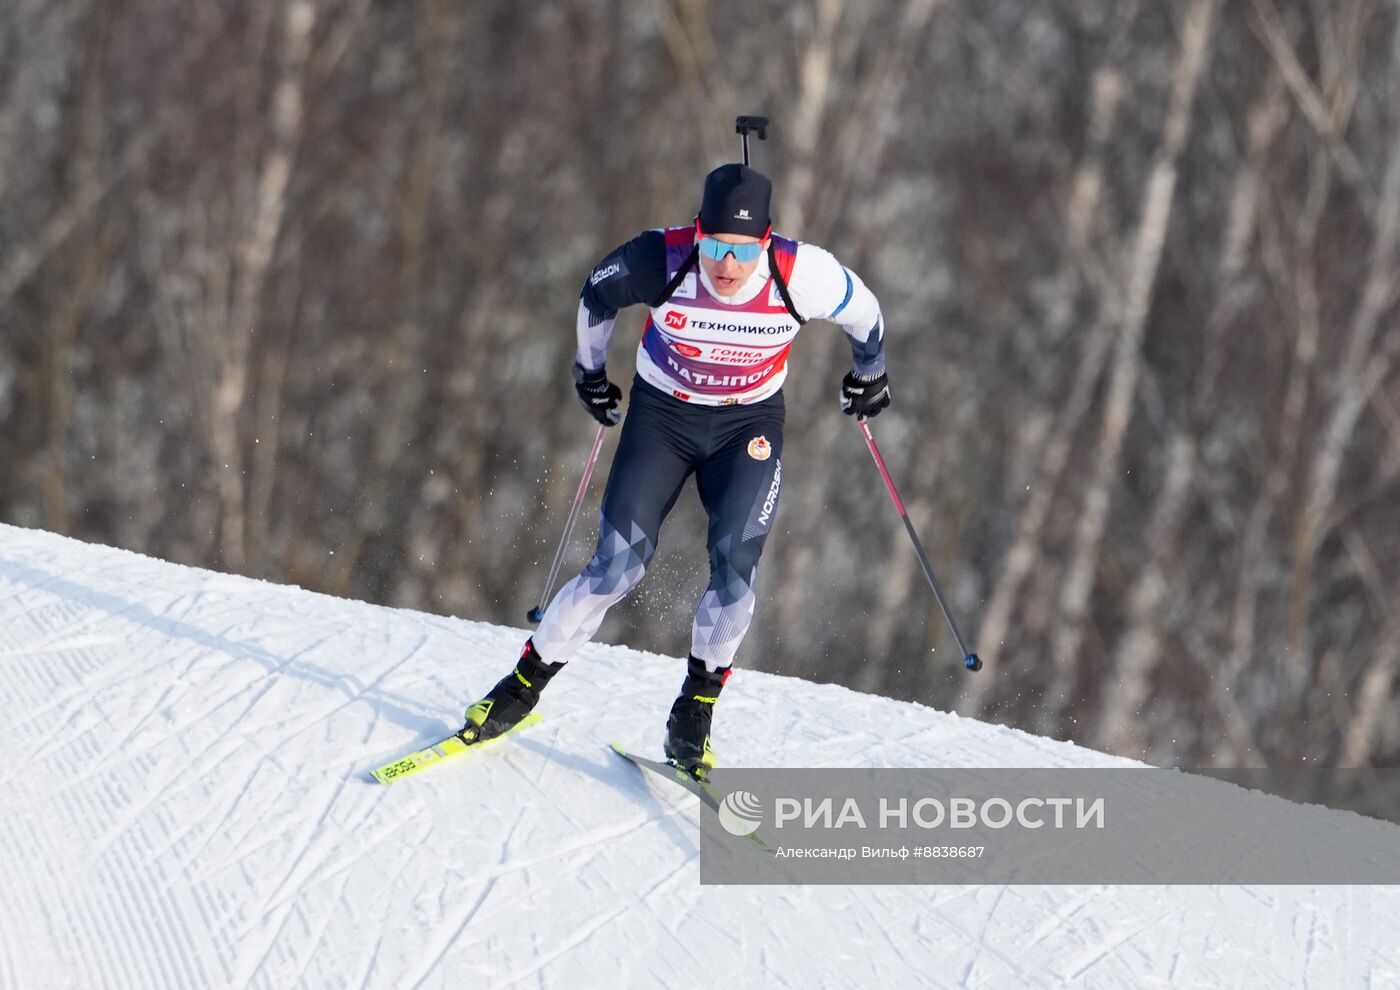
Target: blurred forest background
287,288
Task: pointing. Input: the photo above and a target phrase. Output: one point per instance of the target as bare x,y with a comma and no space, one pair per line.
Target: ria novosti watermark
1130,825
741,813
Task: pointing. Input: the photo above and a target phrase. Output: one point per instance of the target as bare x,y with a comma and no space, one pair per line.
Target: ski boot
511,699
688,728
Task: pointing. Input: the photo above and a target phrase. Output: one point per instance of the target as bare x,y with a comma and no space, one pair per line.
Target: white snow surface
186,804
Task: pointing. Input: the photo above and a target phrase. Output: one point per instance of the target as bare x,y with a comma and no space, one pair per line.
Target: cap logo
742,215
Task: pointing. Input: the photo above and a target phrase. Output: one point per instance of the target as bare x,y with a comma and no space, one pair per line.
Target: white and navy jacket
715,350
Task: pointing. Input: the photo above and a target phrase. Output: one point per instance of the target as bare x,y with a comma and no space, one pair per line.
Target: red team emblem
675,320
686,349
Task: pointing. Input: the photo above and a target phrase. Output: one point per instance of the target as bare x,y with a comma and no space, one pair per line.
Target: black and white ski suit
708,402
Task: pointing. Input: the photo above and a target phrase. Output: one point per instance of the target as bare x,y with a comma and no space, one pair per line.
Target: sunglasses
715,249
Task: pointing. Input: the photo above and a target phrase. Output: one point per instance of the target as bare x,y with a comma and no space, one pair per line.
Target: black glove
864,395
598,395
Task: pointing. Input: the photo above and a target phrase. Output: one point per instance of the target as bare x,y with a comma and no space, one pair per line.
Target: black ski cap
736,201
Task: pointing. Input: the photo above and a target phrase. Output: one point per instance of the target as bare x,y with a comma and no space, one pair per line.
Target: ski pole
970,660
536,614
758,125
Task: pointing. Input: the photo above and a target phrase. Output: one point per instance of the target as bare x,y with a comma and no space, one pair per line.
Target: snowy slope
185,804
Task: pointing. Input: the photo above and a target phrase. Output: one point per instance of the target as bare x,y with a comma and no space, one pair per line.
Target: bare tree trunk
19,77
1295,274
1120,727
254,257
1328,121
690,41
797,201
1375,706
21,262
1364,728
1053,435
811,105
266,448
814,95
1364,366
1141,277
87,260
383,507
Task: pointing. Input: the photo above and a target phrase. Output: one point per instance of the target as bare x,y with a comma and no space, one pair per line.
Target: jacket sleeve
633,273
824,289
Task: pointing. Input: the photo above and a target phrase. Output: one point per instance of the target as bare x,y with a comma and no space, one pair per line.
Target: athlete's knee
736,559
620,560
612,574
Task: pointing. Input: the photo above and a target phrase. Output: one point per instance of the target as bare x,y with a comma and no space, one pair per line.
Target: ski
670,771
443,749
707,794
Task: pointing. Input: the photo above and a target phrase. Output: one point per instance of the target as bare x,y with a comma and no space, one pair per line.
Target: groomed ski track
184,760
